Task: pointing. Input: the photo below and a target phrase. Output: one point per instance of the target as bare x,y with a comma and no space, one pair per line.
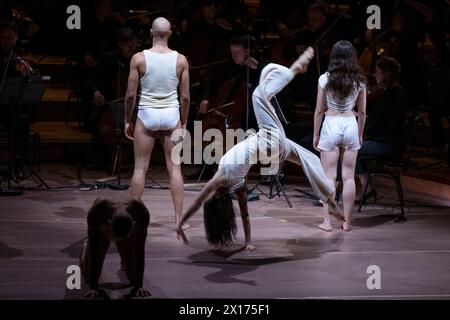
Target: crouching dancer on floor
126,224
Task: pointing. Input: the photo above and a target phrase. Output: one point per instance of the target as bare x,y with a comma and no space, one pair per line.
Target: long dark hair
219,219
343,70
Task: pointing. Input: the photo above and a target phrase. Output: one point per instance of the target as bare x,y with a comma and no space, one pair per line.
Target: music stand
16,92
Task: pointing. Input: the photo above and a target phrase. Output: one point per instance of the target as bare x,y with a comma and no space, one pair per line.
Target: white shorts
159,119
339,132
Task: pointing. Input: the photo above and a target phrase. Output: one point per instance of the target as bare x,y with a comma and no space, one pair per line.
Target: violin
277,53
112,113
23,66
377,47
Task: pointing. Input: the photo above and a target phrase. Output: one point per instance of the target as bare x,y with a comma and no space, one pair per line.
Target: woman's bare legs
348,190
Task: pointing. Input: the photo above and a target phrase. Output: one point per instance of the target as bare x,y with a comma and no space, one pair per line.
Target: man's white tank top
160,82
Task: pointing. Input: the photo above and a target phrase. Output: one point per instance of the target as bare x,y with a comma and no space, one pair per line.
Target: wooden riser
420,186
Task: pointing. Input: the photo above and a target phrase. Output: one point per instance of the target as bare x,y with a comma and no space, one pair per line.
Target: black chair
389,168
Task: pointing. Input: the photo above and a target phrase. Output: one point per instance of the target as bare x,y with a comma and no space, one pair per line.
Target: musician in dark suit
234,74
109,84
15,63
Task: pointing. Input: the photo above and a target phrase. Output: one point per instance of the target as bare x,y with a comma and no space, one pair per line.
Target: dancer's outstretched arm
211,185
243,207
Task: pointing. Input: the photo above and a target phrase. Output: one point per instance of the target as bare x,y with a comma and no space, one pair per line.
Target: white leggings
273,79
159,119
271,135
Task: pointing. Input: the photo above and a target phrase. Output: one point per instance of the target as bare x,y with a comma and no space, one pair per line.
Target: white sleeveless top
160,82
340,106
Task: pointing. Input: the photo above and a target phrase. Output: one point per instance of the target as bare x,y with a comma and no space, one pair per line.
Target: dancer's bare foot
250,247
185,226
346,226
325,227
334,210
301,64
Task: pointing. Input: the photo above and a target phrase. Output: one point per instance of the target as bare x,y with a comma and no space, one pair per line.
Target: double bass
112,114
374,50
227,109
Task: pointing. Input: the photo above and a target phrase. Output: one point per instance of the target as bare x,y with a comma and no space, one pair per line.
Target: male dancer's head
161,29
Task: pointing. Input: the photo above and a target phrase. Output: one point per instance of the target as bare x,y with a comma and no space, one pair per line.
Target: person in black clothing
126,224
15,63
98,34
113,69
208,35
96,37
20,66
243,61
384,129
109,85
244,66
317,22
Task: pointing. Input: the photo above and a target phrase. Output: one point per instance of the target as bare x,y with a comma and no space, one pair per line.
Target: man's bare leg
143,146
176,180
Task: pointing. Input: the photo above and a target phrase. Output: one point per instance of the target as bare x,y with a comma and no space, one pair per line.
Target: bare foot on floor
250,247
346,226
185,226
325,227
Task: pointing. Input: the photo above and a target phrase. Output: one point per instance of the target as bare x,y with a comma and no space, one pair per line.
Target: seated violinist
384,129
15,63
109,85
20,63
229,82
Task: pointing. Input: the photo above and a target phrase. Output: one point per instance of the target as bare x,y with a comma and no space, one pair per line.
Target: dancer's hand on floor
98,294
138,293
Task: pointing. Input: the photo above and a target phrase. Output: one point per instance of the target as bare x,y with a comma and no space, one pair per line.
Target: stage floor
41,235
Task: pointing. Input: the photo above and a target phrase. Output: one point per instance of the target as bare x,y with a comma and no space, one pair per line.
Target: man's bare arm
185,98
130,96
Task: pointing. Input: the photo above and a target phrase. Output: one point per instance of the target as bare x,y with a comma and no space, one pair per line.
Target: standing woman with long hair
340,89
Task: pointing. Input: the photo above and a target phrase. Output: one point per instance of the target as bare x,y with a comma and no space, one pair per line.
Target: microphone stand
322,36
119,134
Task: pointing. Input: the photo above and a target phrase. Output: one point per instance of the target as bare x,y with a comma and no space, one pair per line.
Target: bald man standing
161,71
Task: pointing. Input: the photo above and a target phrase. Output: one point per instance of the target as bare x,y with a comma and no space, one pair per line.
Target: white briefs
160,119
